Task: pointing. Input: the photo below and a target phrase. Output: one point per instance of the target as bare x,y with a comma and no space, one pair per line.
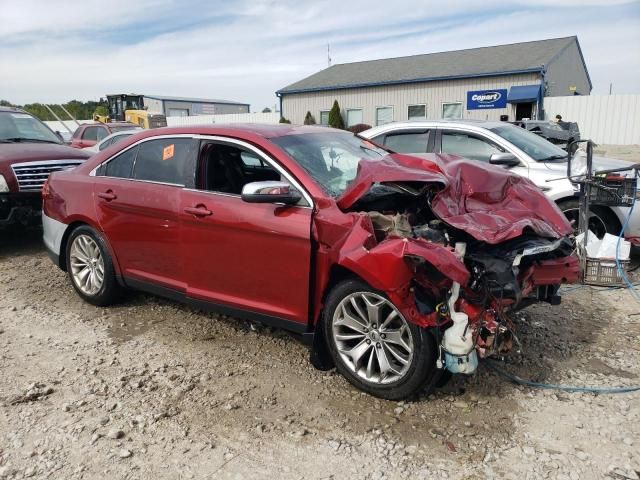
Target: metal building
184,107
479,83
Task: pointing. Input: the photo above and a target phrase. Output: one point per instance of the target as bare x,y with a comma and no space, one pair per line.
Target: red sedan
88,134
397,269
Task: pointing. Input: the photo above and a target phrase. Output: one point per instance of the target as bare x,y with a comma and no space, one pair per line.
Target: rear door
249,256
137,198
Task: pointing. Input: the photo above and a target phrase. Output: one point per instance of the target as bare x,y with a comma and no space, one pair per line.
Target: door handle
108,195
198,211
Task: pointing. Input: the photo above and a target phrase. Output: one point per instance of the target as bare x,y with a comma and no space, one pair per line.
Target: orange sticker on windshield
167,152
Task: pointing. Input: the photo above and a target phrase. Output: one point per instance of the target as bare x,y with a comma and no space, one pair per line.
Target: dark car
558,133
29,152
88,134
394,267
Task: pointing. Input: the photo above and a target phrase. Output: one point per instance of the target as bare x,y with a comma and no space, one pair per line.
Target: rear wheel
90,267
601,220
374,346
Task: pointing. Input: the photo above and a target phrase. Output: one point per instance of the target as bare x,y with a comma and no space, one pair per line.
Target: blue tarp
524,94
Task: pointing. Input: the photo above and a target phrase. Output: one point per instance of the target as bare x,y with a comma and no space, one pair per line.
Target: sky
52,51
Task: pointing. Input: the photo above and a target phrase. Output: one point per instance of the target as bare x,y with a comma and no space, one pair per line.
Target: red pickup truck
29,152
88,134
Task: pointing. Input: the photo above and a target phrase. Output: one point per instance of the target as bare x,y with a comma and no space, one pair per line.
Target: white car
523,152
112,139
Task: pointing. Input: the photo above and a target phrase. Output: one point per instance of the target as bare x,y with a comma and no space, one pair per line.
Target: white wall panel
605,119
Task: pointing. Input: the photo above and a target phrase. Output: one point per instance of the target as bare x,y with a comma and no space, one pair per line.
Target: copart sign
480,99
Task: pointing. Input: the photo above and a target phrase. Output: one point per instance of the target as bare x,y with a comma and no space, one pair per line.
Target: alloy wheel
87,264
372,338
596,224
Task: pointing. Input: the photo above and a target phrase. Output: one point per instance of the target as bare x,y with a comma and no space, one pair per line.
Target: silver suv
523,152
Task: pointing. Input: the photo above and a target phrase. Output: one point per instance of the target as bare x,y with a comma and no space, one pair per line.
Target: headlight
3,185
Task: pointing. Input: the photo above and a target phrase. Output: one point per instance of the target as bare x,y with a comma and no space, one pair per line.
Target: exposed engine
474,317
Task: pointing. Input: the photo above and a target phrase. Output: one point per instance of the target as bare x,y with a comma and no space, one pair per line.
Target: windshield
22,127
536,147
331,158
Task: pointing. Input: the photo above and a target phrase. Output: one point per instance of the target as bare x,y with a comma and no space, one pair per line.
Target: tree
309,120
102,111
335,117
359,127
5,103
266,110
284,120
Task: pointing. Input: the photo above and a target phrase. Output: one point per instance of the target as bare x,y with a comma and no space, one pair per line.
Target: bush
284,120
309,120
359,127
335,118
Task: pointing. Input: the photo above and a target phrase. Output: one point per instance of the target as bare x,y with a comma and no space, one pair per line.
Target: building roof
525,57
194,100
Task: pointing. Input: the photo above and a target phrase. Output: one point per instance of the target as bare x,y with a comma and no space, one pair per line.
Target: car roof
262,129
12,109
460,123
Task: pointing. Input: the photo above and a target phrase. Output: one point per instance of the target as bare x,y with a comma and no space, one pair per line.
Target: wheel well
62,258
602,210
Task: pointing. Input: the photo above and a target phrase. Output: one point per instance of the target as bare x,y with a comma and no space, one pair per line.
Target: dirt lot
623,152
152,390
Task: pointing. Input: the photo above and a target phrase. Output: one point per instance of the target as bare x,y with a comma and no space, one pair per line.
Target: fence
55,125
605,119
272,117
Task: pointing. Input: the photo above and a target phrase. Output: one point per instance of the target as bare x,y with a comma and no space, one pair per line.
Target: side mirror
505,159
270,192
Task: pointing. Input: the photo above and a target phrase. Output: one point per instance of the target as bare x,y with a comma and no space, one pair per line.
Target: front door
137,197
251,256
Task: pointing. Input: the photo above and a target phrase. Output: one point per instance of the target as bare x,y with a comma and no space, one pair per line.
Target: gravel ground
151,389
622,152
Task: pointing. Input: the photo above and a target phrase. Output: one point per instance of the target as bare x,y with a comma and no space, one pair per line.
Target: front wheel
374,346
601,219
90,267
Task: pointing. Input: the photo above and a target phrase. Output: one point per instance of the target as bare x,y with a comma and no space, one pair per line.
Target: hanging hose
551,386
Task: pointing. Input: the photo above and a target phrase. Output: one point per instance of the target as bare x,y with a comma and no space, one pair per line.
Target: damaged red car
399,270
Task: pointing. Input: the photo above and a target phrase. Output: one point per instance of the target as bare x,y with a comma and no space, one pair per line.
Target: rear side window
167,160
91,133
407,142
120,166
102,133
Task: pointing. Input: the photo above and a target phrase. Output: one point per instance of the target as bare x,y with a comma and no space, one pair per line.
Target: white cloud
52,52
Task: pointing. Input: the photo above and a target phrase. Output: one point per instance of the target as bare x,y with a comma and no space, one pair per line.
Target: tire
90,267
362,367
602,219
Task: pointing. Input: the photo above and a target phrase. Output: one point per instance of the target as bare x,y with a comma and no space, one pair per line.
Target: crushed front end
457,248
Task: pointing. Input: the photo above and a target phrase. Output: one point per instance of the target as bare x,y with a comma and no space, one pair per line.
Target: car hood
599,163
489,203
30,152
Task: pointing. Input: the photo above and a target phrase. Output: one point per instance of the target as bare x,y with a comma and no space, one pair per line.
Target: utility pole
328,54
610,88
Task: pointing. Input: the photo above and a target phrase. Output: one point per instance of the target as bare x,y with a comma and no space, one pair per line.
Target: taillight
45,189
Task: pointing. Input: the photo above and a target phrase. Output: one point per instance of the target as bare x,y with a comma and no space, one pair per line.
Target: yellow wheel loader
130,107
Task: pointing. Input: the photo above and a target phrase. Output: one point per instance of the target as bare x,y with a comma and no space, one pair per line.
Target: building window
324,117
452,110
354,117
417,112
384,115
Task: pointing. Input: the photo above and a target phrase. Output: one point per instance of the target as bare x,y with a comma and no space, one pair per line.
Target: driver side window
226,168
468,146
